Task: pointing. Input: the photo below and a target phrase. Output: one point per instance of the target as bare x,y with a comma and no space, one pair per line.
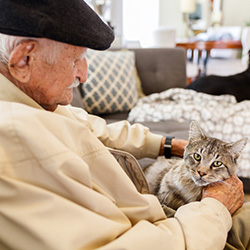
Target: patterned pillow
111,84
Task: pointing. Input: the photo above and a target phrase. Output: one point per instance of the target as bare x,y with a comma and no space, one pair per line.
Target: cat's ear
195,132
236,147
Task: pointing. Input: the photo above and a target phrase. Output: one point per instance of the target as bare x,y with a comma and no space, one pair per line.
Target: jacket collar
9,92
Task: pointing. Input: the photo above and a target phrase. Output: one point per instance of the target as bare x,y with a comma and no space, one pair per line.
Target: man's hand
229,193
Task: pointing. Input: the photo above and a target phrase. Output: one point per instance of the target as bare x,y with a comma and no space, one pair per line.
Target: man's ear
21,59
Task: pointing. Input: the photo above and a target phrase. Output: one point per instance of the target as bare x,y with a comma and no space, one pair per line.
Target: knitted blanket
219,116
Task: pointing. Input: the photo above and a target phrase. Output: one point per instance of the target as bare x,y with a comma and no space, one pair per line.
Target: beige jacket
60,188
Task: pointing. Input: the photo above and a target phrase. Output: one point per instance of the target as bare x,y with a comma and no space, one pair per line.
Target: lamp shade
188,6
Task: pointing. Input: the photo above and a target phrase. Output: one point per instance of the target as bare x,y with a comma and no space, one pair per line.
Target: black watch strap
167,146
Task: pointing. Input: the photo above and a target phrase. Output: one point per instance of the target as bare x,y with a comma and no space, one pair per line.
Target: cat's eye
217,163
197,157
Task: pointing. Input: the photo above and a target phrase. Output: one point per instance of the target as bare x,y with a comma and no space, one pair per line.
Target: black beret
67,21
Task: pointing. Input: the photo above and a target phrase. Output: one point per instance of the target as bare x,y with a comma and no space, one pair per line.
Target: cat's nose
201,173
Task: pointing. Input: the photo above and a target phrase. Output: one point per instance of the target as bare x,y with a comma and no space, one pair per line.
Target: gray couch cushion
161,68
169,127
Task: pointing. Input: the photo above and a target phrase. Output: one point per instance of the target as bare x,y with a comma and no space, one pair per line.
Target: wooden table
207,46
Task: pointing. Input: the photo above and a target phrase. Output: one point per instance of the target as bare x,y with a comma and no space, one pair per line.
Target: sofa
158,69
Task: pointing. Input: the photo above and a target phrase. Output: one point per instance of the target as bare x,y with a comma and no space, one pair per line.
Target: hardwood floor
216,66
224,66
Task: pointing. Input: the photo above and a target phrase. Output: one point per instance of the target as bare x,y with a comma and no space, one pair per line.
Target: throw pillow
111,84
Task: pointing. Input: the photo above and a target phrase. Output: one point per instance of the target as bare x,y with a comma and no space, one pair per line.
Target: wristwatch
167,146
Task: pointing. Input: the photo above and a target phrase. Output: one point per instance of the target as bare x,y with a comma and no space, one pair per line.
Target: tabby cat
206,160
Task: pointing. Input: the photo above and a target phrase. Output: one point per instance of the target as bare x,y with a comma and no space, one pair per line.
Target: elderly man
60,188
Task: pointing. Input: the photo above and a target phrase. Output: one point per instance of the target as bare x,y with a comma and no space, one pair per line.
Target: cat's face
209,159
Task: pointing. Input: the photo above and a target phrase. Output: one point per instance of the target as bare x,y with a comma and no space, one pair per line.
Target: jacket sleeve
135,139
205,224
199,225
68,192
46,220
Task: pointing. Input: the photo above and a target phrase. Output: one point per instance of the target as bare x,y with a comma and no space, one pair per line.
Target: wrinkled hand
229,193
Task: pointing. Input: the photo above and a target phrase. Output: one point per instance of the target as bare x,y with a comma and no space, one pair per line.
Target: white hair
8,43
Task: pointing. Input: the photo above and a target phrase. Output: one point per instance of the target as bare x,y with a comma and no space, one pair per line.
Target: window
140,18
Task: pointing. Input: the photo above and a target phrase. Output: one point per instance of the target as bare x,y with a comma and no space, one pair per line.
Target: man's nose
82,70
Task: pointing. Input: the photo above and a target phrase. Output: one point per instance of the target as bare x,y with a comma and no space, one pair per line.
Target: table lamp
187,7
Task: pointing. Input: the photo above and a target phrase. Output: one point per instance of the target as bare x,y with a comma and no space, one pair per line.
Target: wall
170,15
236,12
